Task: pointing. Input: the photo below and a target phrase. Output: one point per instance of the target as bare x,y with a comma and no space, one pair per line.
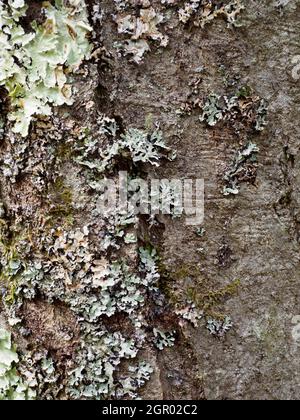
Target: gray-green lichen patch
143,26
67,288
94,290
246,114
34,66
212,110
219,328
12,386
243,169
189,313
244,106
134,145
84,293
163,339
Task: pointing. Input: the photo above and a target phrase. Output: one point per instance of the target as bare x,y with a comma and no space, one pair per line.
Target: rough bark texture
246,264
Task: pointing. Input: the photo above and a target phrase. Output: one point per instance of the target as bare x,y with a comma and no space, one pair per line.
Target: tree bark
244,262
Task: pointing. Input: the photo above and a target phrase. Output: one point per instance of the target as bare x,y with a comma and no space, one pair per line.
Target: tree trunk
99,307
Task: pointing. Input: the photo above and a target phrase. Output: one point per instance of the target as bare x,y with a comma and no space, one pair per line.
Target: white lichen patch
34,66
141,29
95,290
188,10
190,313
219,328
135,144
212,111
204,12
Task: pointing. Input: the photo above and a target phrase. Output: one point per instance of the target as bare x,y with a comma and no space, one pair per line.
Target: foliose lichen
203,12
141,29
244,105
12,386
163,339
219,328
34,66
135,145
97,286
239,171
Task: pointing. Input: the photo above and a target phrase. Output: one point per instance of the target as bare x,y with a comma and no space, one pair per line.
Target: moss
61,204
11,262
207,299
63,152
244,92
10,296
165,286
62,192
169,280
210,301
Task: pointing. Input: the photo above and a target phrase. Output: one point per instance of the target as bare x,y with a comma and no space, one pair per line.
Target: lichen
204,12
90,267
99,274
190,313
244,105
200,232
212,111
34,66
141,29
190,8
95,290
239,171
219,328
163,339
135,145
12,386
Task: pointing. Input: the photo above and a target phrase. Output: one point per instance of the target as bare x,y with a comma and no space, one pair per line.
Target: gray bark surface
246,265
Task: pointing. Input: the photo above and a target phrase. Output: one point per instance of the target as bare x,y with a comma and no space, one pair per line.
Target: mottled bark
245,265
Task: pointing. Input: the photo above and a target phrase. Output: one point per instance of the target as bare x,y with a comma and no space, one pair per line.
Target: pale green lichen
200,232
188,10
130,238
219,328
167,198
93,378
98,288
163,339
135,144
12,386
97,277
34,66
244,105
143,147
103,290
212,111
232,175
137,377
39,371
190,313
